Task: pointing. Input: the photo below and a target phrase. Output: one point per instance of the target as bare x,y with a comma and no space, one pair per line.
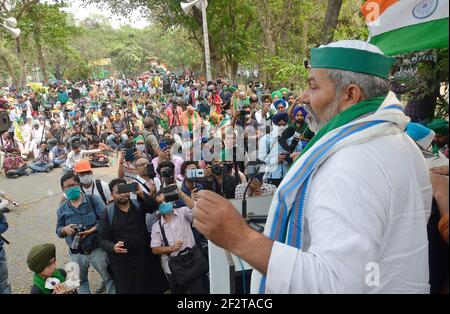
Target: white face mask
87,179
140,147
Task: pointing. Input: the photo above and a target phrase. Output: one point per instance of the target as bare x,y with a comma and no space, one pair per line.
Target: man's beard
330,111
123,201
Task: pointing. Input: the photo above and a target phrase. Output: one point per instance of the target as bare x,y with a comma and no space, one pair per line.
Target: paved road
34,222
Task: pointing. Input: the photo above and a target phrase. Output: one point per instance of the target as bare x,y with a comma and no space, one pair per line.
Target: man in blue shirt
5,287
83,212
59,154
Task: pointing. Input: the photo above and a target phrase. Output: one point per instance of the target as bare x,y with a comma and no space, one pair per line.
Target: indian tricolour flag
400,26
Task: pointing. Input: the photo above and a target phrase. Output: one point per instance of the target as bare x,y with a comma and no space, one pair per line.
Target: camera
243,115
151,171
75,246
46,150
217,169
170,193
194,174
167,173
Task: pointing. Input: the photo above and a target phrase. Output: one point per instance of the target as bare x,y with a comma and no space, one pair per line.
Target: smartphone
127,188
129,154
170,193
162,145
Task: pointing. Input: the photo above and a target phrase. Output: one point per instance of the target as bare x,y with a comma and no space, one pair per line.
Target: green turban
137,138
439,126
284,89
39,257
277,93
233,88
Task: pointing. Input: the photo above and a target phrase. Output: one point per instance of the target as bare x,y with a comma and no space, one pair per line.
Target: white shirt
368,203
73,158
94,191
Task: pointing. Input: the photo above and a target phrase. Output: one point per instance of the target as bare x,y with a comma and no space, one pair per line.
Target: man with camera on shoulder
77,222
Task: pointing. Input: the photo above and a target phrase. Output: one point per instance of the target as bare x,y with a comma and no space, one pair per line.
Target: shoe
48,170
4,210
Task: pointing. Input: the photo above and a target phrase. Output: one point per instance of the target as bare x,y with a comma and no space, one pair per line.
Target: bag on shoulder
188,265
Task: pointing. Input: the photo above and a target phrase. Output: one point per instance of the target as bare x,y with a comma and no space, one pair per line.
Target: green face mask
73,193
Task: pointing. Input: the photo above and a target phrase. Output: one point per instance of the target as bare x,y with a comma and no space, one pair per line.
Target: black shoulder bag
188,265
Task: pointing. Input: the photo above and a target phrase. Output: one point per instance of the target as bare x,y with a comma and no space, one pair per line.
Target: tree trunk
9,67
37,41
262,6
331,20
23,70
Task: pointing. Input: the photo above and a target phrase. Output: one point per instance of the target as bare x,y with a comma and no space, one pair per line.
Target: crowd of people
171,141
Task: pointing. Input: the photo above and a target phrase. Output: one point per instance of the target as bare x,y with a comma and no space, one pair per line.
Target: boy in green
42,261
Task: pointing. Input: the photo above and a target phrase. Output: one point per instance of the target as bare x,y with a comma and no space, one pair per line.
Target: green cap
439,126
354,56
39,257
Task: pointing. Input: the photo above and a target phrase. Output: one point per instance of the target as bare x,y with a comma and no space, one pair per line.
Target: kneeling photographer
124,236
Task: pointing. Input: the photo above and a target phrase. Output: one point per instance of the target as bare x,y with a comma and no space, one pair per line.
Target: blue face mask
165,208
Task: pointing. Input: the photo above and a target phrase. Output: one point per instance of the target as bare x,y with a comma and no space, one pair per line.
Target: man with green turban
440,142
355,202
284,92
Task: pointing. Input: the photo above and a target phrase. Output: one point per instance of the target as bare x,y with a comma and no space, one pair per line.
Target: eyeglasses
70,186
142,165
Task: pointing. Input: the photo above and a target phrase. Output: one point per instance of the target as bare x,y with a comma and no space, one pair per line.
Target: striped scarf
362,122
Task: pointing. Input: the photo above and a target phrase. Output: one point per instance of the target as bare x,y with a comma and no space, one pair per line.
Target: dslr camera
242,115
77,238
218,169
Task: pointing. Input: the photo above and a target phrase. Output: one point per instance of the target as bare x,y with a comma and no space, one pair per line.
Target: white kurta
368,204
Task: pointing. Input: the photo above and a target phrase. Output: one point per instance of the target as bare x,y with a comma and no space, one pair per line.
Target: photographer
249,126
124,236
171,235
214,174
77,222
166,172
54,134
44,160
264,115
174,113
120,133
272,153
167,155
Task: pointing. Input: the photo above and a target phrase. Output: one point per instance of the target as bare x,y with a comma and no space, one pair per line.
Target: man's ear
351,96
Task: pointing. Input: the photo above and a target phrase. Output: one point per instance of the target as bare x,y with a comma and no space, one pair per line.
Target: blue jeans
100,261
41,166
5,287
111,140
59,162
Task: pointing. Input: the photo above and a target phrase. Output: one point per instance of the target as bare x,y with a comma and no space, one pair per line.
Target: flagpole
206,42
